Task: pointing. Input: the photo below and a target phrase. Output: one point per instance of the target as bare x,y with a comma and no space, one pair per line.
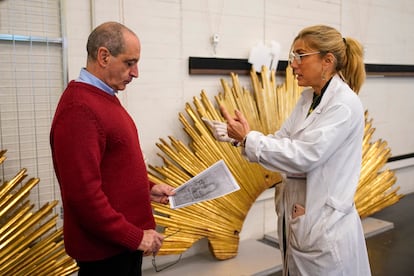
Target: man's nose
134,71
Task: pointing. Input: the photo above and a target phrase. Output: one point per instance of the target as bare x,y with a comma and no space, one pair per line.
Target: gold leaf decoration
375,189
221,220
29,241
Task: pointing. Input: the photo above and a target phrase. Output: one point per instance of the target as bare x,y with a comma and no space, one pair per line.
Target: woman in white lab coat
319,150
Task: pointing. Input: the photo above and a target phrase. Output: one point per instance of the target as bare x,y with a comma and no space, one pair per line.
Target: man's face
124,67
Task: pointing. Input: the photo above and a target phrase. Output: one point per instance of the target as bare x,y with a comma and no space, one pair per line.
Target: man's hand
219,130
161,192
151,242
238,127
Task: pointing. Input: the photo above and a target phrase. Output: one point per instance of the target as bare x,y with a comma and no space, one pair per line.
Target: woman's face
309,70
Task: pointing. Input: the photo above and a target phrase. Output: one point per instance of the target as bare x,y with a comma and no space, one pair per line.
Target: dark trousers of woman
124,264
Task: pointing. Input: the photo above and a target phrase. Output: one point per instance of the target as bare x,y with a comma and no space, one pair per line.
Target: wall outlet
215,39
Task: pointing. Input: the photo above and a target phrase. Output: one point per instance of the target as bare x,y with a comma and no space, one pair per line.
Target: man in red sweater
106,194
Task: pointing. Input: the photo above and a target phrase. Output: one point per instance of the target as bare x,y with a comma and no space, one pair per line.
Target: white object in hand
219,131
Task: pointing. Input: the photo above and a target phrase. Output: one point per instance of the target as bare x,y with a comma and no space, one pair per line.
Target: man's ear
103,56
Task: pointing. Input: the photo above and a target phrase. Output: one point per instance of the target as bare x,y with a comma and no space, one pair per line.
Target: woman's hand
238,127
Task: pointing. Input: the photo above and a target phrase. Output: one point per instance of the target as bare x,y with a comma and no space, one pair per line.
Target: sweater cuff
134,238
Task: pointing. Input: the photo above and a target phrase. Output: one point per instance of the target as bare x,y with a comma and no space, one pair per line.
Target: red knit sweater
101,173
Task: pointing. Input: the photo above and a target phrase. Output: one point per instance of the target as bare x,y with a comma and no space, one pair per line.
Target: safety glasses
298,57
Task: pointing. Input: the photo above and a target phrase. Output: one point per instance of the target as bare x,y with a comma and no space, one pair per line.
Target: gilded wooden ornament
29,241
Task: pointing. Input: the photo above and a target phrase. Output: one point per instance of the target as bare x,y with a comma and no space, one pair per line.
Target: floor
392,252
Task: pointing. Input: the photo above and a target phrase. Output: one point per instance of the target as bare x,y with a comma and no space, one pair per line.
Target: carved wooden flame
29,241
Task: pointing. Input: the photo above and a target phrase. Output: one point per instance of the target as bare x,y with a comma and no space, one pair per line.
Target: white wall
172,30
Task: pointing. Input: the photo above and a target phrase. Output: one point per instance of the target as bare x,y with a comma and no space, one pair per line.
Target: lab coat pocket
339,210
340,206
307,236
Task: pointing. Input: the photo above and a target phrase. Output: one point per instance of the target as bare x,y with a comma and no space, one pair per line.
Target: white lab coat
320,156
